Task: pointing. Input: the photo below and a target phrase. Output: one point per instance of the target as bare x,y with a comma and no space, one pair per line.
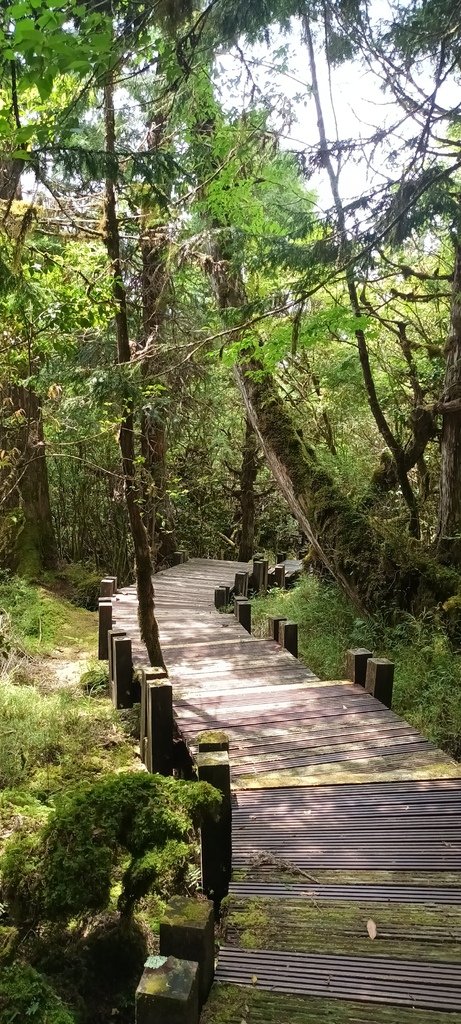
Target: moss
9,938
313,925
231,1004
147,816
82,584
25,995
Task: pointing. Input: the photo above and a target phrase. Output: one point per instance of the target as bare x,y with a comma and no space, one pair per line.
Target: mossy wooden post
149,674
187,932
111,634
241,584
220,597
380,680
288,636
279,576
123,690
159,727
168,992
106,587
273,626
244,614
212,739
105,623
356,664
216,836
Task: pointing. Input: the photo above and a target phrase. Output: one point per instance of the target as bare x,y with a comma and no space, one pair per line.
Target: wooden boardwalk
345,901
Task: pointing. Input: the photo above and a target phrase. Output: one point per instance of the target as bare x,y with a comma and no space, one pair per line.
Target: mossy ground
428,668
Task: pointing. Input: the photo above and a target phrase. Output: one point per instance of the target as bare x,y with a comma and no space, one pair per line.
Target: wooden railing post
356,664
159,757
279,576
216,836
105,623
111,635
273,624
187,932
149,674
107,588
123,689
168,992
241,584
380,680
244,614
288,636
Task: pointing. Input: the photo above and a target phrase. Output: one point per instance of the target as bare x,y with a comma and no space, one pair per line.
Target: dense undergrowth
90,846
427,689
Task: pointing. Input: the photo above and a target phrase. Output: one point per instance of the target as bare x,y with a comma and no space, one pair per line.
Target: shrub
65,867
26,996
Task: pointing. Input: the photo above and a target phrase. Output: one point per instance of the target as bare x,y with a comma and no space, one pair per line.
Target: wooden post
177,558
241,584
258,575
111,634
187,932
106,588
220,597
356,664
279,576
105,623
216,836
273,623
237,602
281,557
159,727
244,614
123,690
380,680
149,674
288,637
168,992
212,739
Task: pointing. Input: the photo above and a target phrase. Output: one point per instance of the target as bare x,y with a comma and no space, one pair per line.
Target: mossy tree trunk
143,558
27,540
371,572
247,495
449,526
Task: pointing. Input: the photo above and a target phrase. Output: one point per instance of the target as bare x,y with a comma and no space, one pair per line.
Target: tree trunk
247,497
449,525
27,541
370,572
158,517
143,559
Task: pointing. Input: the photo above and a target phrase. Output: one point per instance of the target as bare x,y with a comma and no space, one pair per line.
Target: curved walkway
345,902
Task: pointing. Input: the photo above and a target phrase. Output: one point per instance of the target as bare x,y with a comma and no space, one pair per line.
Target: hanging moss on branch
66,867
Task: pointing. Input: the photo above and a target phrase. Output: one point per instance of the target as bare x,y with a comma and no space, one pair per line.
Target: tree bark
449,524
27,540
143,558
247,496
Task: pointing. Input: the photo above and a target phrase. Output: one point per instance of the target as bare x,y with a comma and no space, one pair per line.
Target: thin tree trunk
449,525
247,496
143,559
373,401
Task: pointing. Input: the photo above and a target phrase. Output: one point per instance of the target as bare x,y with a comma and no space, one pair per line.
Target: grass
427,689
40,620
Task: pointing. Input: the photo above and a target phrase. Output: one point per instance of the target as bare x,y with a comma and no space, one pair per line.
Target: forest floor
427,689
58,729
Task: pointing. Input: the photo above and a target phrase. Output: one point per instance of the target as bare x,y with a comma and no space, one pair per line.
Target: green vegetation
428,669
25,995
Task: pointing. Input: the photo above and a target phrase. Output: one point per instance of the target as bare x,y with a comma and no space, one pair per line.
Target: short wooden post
237,602
149,674
123,690
281,557
212,739
356,664
241,584
273,623
220,600
111,634
380,680
187,932
279,576
259,575
216,836
244,614
168,992
115,583
177,558
288,637
105,623
159,727
106,588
